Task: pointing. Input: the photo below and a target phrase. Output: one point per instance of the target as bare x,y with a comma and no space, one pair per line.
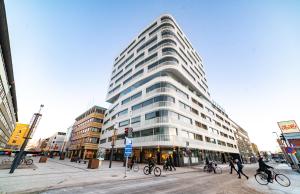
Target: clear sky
63,51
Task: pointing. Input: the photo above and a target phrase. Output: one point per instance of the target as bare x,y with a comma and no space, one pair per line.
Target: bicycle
155,169
8,160
26,161
262,178
135,167
212,167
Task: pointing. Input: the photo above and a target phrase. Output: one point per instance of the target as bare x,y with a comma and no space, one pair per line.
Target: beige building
85,134
255,149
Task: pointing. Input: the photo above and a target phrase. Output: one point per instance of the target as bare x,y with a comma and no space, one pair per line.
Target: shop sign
288,126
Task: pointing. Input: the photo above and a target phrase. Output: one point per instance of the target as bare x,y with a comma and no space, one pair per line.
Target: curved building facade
8,99
158,87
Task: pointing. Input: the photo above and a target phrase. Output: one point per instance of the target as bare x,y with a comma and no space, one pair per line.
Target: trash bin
93,163
43,159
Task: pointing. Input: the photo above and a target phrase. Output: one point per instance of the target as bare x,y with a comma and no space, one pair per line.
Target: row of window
97,120
160,98
124,75
146,60
169,131
146,44
135,96
163,60
140,72
125,61
86,130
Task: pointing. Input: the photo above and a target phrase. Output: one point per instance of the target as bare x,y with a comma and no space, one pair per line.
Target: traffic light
126,132
282,137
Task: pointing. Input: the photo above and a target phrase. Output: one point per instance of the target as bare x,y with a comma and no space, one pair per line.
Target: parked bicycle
262,178
7,160
26,161
155,169
212,167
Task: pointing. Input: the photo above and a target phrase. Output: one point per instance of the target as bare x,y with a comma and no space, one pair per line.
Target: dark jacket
231,164
263,165
239,165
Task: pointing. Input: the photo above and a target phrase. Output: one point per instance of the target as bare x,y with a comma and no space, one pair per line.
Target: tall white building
158,87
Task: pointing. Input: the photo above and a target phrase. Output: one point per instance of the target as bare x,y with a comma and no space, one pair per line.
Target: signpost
128,151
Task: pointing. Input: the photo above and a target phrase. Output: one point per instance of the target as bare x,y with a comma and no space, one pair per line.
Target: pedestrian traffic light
126,132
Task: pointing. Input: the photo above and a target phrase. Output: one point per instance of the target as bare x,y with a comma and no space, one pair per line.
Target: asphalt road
192,182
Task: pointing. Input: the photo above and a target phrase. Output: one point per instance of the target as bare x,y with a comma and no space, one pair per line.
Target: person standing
240,169
231,164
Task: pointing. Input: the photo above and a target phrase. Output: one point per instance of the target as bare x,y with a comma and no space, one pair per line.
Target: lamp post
33,124
113,144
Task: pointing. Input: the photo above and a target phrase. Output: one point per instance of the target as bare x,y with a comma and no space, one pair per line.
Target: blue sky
63,52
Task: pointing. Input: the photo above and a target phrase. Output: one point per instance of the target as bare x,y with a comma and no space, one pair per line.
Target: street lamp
113,144
276,134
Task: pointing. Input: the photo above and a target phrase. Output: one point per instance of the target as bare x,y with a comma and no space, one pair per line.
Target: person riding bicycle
264,167
151,164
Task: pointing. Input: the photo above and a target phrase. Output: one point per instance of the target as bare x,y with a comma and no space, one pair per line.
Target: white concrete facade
158,82
56,141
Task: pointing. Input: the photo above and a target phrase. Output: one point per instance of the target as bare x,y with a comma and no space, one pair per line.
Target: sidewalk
60,173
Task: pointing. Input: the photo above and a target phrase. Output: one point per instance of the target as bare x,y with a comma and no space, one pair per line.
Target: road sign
128,147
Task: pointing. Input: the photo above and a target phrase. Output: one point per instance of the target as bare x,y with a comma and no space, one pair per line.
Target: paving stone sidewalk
60,173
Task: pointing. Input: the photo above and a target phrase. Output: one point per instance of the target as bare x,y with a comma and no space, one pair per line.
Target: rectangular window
150,115
136,119
124,123
123,112
198,137
147,132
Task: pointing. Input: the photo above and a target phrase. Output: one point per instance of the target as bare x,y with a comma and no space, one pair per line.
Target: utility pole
33,124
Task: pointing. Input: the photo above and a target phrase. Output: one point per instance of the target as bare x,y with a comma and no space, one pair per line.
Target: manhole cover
114,175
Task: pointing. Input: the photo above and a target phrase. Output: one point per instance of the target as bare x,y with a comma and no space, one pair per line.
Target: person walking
171,162
240,169
231,164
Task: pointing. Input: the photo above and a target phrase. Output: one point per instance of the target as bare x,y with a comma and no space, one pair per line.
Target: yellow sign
288,126
17,137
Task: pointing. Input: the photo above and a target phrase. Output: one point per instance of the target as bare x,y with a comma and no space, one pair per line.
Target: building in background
55,143
244,144
158,87
67,140
17,138
255,149
86,133
42,145
8,98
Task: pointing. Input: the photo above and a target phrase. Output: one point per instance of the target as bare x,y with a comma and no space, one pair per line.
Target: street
63,176
191,182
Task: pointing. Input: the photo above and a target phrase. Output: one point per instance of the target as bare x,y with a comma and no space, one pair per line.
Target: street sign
128,147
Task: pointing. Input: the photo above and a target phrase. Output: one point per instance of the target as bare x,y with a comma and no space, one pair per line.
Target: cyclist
151,163
264,167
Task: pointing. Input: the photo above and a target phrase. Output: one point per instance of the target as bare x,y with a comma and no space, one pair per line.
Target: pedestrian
240,169
231,164
172,162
